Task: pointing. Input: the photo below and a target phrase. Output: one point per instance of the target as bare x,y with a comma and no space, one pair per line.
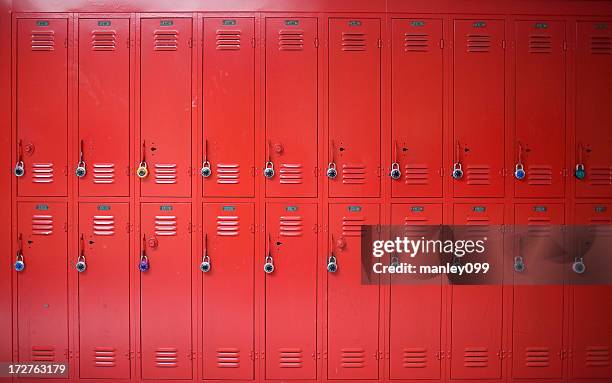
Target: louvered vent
290,40
103,40
478,175
42,224
228,226
290,358
353,174
537,357
228,173
290,174
42,173
165,225
600,176
103,225
105,357
538,227
478,43
166,357
43,354
43,40
597,356
165,174
353,358
539,175
228,358
416,42
414,358
476,357
601,45
290,226
103,173
353,41
540,44
228,40
166,40
351,226
415,174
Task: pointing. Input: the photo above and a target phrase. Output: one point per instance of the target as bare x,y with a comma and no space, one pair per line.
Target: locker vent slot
104,357
413,227
351,226
353,174
540,44
415,358
103,40
353,41
478,220
43,40
290,40
416,174
600,176
228,40
42,173
537,357
597,356
538,227
165,225
42,224
103,173
166,40
416,42
478,175
478,43
601,45
353,358
228,358
228,226
165,174
603,228
290,226
290,174
103,225
166,358
228,173
43,354
539,175
476,357
290,358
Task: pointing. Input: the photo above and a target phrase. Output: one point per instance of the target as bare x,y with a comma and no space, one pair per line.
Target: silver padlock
19,169
81,265
269,170
519,172
205,265
332,264
331,171
457,171
578,266
519,264
206,171
81,170
142,170
395,173
269,265
19,262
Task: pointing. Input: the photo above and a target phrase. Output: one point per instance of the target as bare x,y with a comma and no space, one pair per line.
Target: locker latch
269,261
81,168
580,170
331,167
19,261
395,172
269,168
81,264
19,169
142,170
205,265
519,169
206,170
457,168
143,265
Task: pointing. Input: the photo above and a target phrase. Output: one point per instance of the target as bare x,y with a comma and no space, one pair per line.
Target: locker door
476,326
104,291
352,308
540,108
537,325
229,106
592,310
42,287
417,79
165,106
42,106
291,291
104,106
291,106
354,107
479,107
165,291
228,331
415,344
593,113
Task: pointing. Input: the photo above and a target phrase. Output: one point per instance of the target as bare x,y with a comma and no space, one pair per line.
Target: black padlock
205,265
332,264
331,171
206,171
269,265
81,265
81,170
269,170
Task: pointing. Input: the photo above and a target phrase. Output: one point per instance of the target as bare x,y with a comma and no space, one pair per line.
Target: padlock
578,266
580,173
457,171
331,171
81,265
81,170
142,170
519,264
519,172
269,265
143,265
395,261
19,170
206,171
269,170
205,265
332,264
19,263
395,173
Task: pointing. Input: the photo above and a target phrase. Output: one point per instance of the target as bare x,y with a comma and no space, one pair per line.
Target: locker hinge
318,354
252,228
441,43
449,355
564,45
65,226
441,172
262,355
316,42
253,42
324,354
500,354
66,43
316,171
379,43
252,355
129,227
378,355
128,42
130,354
192,355
378,171
315,228
253,171
68,354
439,354
190,42
564,172
324,228
190,227
503,43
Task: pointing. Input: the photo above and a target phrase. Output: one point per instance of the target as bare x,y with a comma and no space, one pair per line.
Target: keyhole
278,243
91,242
527,150
466,150
588,150
341,149
30,242
153,149
404,149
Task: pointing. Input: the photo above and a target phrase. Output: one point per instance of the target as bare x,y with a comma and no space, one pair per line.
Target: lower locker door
291,291
352,307
165,291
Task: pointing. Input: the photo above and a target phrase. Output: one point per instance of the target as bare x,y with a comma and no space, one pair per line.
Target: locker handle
457,167
331,167
580,171
269,168
142,170
143,265
81,264
269,260
19,169
205,265
519,169
81,168
206,170
19,260
395,172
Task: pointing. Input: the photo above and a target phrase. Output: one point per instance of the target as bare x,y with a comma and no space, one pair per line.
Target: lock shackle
81,156
520,153
19,255
205,154
332,151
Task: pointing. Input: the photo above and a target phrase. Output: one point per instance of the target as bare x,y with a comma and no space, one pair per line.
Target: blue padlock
19,263
580,173
143,265
519,172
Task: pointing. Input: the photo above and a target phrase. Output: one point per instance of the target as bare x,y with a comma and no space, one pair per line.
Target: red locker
229,107
537,325
415,347
291,106
352,307
165,106
593,112
42,286
228,332
291,291
416,97
354,107
592,309
476,311
104,107
104,290
165,291
42,107
478,138
540,109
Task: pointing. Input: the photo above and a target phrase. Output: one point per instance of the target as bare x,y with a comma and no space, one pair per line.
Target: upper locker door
478,139
165,291
417,91
228,323
539,145
104,107
229,106
354,107
42,106
352,307
42,287
291,106
291,291
165,106
104,291
414,344
593,112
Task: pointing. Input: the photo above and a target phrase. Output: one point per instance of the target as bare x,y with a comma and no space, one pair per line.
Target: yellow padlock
142,170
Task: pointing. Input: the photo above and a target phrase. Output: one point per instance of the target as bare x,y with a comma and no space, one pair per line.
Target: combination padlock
331,171
269,170
143,265
19,262
206,171
269,265
395,261
578,266
205,265
457,171
81,170
81,265
519,172
395,173
19,169
142,170
580,172
519,264
332,264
